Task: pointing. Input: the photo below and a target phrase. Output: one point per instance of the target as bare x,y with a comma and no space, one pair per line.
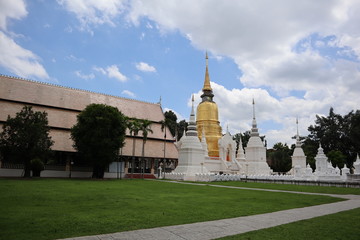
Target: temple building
208,151
207,117
255,151
63,104
298,157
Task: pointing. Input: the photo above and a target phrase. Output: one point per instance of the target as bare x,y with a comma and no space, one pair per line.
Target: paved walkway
233,226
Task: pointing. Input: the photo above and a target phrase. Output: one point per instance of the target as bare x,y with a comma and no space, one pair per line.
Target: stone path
233,226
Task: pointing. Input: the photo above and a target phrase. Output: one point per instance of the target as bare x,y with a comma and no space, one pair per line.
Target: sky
296,59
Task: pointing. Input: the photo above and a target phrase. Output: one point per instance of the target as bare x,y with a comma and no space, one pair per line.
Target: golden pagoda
207,117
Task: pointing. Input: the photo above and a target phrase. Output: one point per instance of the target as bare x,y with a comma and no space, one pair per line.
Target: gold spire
207,85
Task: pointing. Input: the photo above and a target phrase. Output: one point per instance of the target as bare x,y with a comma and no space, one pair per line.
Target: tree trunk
142,164
27,169
133,158
98,171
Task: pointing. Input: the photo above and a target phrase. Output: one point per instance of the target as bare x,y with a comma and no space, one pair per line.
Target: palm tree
165,124
134,127
145,127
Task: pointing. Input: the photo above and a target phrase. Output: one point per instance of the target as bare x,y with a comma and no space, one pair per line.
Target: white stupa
227,147
357,165
240,156
321,161
191,153
298,157
255,152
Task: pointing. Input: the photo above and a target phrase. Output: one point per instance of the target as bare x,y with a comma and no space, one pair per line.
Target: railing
12,165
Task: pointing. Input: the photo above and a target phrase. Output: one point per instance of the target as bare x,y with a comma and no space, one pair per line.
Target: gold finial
207,85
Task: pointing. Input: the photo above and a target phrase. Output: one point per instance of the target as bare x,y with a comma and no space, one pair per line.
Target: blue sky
293,65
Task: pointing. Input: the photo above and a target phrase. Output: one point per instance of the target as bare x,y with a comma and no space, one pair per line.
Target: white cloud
112,72
128,93
84,76
74,59
13,57
94,12
99,69
15,9
142,36
144,67
235,110
20,61
262,38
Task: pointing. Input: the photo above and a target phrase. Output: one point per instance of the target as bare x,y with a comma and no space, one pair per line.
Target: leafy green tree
310,148
280,158
329,130
145,127
98,135
166,123
352,131
244,139
134,126
336,158
336,132
171,119
25,137
245,136
181,127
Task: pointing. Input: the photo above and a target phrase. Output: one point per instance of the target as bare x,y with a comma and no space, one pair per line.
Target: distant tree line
339,137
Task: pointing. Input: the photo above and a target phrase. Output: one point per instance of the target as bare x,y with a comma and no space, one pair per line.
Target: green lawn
343,225
59,208
291,187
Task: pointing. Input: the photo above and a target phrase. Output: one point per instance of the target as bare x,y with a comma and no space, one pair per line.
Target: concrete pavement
232,226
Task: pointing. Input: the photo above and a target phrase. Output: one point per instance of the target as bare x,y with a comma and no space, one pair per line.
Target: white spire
298,142
253,108
254,129
192,106
297,127
240,153
192,123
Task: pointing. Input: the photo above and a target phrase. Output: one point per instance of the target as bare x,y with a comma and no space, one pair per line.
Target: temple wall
63,104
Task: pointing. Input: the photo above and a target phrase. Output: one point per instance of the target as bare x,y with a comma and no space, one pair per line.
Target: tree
134,127
310,148
181,127
336,158
336,132
171,119
98,135
145,127
26,137
280,158
352,130
329,130
245,139
165,124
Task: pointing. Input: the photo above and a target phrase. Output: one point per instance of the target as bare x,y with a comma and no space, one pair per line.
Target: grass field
59,208
291,187
343,225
